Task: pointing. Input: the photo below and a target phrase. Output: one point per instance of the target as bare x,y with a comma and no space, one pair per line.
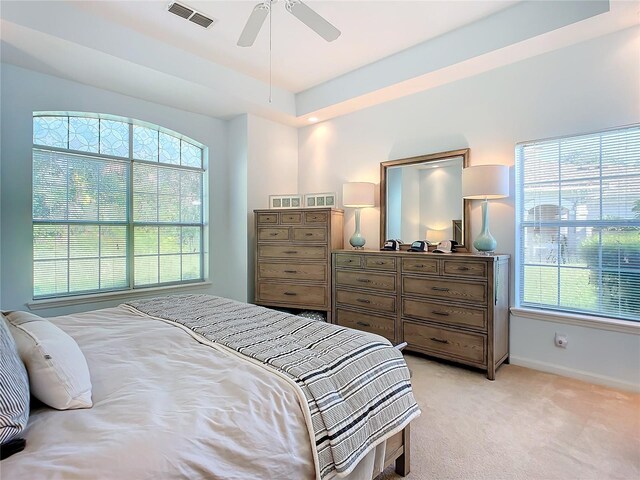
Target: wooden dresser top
403,253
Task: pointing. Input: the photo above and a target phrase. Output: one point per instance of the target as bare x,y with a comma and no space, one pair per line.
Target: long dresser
293,257
450,306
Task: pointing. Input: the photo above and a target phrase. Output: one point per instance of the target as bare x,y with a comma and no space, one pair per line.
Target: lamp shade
436,235
485,181
358,194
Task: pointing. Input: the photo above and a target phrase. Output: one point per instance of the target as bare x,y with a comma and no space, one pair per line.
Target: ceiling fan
296,8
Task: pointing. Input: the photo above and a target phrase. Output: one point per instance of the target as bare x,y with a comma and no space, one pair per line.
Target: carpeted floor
525,425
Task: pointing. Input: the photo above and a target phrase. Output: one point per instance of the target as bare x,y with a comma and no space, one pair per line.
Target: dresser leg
491,372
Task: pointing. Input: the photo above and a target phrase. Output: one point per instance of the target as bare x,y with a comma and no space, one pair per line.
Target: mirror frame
466,207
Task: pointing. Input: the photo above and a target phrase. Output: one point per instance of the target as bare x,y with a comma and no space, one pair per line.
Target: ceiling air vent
201,20
190,14
180,10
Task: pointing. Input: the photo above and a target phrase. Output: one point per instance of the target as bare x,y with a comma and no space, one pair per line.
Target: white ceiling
301,59
388,49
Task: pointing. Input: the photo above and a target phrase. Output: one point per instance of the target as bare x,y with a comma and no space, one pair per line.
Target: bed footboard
399,450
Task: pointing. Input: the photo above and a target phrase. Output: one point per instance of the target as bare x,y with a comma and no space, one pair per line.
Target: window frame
563,314
76,297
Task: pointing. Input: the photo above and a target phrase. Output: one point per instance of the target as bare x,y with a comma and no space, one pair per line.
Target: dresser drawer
379,263
420,265
292,294
449,314
267,218
466,269
449,289
292,252
291,218
376,281
462,346
366,300
315,217
383,326
273,233
310,234
293,271
346,260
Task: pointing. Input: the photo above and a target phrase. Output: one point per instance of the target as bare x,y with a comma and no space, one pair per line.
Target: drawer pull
290,271
436,312
291,294
363,300
363,280
463,269
349,261
420,265
308,234
274,234
440,289
363,324
379,263
291,252
439,340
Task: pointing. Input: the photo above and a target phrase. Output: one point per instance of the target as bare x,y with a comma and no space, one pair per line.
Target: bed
169,402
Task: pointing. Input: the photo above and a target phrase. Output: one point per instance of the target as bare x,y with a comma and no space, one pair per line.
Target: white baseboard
573,373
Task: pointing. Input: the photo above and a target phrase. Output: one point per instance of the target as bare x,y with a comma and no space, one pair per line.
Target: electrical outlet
561,340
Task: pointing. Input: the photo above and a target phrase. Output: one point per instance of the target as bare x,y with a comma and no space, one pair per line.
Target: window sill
600,323
103,297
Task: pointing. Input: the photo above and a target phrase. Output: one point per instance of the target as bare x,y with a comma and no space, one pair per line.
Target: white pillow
58,371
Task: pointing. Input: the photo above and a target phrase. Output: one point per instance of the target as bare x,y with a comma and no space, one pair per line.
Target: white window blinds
116,206
578,220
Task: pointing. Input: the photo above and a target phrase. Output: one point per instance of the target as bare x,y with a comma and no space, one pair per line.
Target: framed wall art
285,201
320,200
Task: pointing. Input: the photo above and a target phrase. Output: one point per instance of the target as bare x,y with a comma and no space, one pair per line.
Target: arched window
117,205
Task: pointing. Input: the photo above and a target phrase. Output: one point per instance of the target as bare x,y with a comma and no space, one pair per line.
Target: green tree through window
578,221
116,205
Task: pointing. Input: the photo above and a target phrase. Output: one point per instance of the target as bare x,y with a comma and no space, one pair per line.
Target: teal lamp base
357,241
485,244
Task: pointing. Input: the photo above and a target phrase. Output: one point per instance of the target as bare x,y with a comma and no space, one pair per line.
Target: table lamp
358,195
484,182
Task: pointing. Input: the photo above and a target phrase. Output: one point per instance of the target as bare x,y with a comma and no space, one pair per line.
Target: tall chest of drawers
293,257
450,306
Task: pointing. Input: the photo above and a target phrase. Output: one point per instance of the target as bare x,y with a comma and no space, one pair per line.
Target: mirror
421,198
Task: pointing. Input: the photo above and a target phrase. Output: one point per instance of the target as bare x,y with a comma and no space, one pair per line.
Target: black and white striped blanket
356,385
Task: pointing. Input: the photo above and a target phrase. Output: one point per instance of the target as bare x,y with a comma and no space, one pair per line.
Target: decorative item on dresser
320,200
293,257
450,306
484,182
285,201
358,195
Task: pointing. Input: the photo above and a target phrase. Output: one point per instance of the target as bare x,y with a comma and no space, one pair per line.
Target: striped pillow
14,387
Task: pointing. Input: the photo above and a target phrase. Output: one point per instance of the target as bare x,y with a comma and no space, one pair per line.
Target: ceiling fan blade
312,20
254,24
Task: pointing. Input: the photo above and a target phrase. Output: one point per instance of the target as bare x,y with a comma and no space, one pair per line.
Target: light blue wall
238,279
23,92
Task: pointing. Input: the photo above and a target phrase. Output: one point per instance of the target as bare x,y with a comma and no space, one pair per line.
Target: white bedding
166,406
